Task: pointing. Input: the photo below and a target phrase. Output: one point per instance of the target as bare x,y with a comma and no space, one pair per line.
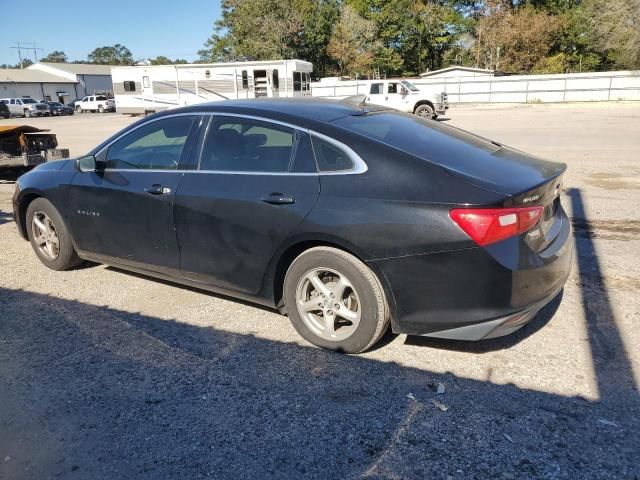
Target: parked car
349,218
57,108
4,110
95,103
27,107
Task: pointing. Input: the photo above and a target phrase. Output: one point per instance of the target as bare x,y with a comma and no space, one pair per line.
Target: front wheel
49,236
425,111
79,109
335,301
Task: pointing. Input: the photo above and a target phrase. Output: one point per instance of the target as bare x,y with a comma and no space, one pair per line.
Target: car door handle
156,189
277,198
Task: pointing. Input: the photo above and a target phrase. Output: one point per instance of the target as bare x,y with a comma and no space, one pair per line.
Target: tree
613,29
353,42
514,40
57,56
115,55
161,60
258,29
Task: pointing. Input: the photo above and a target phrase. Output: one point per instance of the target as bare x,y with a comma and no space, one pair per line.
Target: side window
276,79
244,145
12,102
245,79
18,101
129,86
297,81
330,158
156,145
392,88
376,89
145,82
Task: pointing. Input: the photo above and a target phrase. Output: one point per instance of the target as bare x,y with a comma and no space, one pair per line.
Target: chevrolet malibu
350,218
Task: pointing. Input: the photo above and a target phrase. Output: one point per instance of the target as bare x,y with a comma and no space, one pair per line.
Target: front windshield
410,86
28,100
55,104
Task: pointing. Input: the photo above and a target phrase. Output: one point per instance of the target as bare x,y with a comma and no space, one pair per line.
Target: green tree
57,56
115,55
161,60
353,43
258,29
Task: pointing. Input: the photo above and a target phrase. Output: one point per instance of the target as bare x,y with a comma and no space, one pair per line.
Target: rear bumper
474,293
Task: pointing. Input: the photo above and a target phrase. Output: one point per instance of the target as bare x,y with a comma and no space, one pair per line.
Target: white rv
147,89
395,93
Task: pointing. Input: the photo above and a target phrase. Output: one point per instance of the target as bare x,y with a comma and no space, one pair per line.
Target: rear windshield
423,138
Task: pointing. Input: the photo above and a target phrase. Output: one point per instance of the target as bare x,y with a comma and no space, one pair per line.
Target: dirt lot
105,374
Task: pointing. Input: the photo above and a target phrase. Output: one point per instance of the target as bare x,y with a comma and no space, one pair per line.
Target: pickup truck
406,97
95,103
26,107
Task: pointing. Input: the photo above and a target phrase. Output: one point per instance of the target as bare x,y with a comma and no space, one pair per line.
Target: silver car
27,107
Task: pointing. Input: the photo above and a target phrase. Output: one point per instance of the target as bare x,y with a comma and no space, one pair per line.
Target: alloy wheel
45,235
328,304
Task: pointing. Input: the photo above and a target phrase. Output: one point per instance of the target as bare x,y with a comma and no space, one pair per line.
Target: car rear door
124,214
377,94
255,183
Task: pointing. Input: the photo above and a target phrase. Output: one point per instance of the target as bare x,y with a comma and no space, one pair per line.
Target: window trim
359,165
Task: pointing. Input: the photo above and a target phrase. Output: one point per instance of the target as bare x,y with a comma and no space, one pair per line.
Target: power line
23,46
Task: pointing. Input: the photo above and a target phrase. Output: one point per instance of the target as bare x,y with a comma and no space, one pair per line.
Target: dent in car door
230,217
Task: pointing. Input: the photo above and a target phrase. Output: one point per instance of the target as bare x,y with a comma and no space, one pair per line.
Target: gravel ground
105,374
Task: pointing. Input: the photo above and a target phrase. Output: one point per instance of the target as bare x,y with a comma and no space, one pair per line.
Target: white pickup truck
406,97
95,103
394,93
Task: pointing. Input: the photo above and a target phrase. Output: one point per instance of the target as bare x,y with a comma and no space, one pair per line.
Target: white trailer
147,89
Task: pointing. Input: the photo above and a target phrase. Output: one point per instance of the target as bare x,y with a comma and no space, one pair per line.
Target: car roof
308,108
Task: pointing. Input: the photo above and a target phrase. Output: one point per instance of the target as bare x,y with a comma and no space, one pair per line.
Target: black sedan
348,217
57,108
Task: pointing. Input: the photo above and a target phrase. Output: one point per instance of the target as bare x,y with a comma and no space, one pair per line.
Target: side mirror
404,91
91,164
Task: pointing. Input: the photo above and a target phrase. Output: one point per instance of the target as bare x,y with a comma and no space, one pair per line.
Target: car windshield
28,100
410,86
55,104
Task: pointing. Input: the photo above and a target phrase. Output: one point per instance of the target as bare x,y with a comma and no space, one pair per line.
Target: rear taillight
490,225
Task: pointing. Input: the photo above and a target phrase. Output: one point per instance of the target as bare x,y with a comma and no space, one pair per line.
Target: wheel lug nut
329,312
337,306
332,295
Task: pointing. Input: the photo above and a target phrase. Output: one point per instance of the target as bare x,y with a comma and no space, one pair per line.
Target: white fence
571,87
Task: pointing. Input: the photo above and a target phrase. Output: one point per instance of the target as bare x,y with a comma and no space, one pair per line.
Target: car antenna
356,100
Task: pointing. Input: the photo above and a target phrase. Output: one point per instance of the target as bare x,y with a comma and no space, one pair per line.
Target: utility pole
23,46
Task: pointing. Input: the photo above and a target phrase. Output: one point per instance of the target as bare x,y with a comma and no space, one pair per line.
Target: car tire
424,111
79,109
100,109
43,240
27,113
353,314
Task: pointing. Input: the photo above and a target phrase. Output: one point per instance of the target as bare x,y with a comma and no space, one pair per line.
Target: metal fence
571,87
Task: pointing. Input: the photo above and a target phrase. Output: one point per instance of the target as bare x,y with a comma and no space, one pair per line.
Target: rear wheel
100,109
335,301
425,111
27,113
49,236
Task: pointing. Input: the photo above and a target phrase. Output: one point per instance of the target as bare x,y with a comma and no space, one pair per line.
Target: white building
62,82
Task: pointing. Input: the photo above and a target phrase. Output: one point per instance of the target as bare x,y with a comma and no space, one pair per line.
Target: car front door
256,182
124,213
395,98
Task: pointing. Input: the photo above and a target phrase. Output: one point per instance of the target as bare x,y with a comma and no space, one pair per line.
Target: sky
176,29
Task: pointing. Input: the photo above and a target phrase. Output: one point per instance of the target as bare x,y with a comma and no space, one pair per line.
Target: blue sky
177,29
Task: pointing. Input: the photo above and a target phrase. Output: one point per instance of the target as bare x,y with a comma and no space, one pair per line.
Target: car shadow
95,392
